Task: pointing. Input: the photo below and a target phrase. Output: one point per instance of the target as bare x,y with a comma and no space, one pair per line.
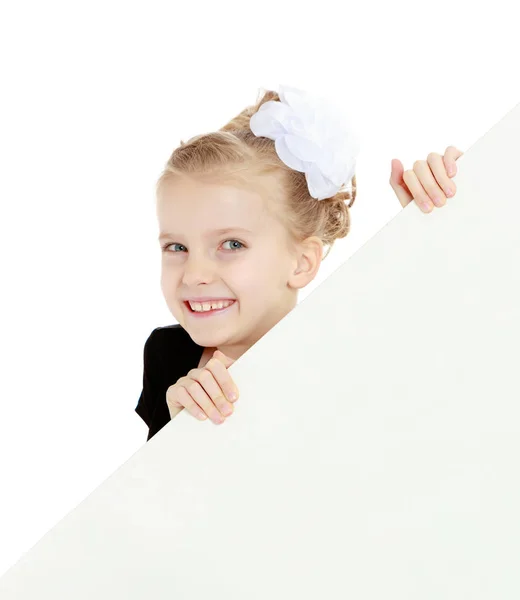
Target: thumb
223,358
398,185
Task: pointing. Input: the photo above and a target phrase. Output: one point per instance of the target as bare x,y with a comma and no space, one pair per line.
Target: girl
241,232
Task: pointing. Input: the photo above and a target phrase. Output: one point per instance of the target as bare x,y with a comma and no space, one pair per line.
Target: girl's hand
203,391
428,181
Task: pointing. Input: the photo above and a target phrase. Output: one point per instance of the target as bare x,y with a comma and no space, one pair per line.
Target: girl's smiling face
222,242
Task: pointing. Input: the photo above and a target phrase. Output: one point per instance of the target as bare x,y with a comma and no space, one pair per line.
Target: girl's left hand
428,181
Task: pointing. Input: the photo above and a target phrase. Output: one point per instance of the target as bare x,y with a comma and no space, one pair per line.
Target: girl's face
221,243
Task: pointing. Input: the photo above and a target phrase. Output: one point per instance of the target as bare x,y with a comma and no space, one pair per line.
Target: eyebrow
165,234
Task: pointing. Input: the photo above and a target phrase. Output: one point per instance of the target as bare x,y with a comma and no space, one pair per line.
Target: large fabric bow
310,136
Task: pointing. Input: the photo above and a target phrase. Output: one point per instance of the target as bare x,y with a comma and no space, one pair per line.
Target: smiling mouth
208,311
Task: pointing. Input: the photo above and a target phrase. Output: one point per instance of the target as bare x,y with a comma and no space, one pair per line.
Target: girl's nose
198,270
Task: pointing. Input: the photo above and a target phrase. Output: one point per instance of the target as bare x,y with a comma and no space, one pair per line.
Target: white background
95,97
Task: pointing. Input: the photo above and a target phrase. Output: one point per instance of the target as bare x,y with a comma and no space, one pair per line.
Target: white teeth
205,306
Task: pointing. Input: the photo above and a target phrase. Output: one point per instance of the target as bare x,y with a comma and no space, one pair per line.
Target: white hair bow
310,136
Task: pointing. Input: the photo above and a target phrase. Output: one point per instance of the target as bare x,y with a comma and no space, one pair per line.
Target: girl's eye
166,246
233,248
234,242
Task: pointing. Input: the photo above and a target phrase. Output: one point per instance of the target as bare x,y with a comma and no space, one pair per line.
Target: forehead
186,201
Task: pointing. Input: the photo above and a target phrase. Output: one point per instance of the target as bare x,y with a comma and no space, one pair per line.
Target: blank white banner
374,450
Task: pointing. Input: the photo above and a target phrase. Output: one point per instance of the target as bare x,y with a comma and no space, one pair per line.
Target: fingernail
449,192
451,170
232,397
428,206
438,201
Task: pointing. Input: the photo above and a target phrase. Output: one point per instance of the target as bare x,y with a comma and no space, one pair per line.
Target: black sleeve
146,403
169,353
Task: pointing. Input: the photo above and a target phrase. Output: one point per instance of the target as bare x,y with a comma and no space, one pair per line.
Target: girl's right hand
203,392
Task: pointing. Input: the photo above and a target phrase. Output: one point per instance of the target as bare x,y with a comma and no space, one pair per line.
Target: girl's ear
307,262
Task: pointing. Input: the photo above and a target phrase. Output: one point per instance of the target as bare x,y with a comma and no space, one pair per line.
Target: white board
373,452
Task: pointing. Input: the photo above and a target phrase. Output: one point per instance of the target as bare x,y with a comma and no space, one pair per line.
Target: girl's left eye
234,242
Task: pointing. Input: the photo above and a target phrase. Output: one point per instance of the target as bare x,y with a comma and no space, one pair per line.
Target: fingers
437,187
428,183
225,360
212,389
208,396
397,183
419,194
442,182
206,392
184,398
450,156
223,378
188,393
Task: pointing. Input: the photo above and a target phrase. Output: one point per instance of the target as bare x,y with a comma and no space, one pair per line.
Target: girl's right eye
166,246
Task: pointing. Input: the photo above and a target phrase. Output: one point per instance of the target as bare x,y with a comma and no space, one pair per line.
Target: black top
169,354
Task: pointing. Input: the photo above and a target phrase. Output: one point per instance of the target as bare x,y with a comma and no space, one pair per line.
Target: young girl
241,232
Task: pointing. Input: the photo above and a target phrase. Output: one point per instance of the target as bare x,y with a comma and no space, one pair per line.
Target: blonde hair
235,155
